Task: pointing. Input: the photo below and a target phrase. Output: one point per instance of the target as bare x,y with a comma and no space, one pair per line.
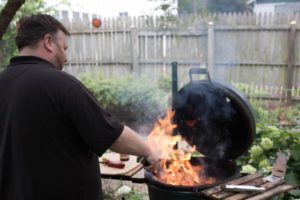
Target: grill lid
215,117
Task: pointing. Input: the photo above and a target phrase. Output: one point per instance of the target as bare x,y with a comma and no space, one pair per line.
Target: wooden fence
237,48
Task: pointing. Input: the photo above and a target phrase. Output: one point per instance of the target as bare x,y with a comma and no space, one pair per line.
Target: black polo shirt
52,131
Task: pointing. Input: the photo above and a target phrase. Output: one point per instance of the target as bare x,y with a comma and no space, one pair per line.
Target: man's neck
26,51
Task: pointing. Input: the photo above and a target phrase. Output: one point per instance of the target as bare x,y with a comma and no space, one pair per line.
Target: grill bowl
221,170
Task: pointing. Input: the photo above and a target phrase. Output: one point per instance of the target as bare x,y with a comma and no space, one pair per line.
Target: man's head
43,36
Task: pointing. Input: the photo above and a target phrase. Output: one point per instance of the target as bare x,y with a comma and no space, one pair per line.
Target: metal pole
174,91
174,81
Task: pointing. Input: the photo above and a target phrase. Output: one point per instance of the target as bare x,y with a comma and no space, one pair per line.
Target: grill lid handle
199,71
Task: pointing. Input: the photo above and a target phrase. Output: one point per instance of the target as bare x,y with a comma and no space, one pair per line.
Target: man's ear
48,42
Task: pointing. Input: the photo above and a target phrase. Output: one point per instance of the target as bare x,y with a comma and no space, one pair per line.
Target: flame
175,166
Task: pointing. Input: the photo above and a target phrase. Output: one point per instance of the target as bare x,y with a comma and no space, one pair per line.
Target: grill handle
195,71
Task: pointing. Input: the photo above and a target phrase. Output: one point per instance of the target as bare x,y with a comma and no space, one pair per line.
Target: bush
276,131
135,101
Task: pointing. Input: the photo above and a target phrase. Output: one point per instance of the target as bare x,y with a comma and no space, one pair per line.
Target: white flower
123,190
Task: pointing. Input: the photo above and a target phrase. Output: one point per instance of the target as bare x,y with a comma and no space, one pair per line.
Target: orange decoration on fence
96,22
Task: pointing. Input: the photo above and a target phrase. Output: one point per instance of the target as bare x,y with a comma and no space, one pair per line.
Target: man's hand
151,162
129,142
153,157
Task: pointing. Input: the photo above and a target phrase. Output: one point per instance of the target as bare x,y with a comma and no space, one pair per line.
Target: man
52,129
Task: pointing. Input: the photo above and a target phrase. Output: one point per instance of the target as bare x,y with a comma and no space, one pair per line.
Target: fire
175,166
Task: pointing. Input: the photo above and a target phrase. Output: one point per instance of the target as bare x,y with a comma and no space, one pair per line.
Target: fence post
210,49
291,61
134,49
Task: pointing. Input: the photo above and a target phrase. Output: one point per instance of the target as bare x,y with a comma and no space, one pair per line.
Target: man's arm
129,142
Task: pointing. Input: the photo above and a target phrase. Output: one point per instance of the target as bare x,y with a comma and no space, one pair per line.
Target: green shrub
134,100
276,131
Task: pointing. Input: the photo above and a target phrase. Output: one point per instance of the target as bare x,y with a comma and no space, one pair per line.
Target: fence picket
247,47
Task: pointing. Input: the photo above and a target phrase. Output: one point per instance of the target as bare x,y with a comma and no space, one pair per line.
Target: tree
7,14
191,6
202,6
227,6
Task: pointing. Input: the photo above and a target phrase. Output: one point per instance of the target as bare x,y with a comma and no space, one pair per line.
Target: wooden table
136,175
133,170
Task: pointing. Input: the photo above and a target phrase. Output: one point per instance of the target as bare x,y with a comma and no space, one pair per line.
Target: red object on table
114,164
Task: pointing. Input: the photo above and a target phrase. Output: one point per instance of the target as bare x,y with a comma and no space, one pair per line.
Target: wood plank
240,196
222,195
273,192
135,175
270,185
139,177
134,170
244,195
226,194
244,179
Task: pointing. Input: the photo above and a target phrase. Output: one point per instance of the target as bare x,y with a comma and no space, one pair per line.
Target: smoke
139,101
204,117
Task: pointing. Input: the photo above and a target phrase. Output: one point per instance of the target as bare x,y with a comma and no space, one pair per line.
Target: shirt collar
29,60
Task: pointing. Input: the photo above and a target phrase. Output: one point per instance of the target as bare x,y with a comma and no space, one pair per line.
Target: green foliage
168,17
134,100
227,6
191,6
247,88
165,83
204,6
135,195
260,114
132,195
293,174
274,136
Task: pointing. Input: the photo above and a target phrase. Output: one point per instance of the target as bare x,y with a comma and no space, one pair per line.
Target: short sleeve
97,127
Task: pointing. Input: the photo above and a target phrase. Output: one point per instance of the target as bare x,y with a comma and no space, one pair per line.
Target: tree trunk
7,14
